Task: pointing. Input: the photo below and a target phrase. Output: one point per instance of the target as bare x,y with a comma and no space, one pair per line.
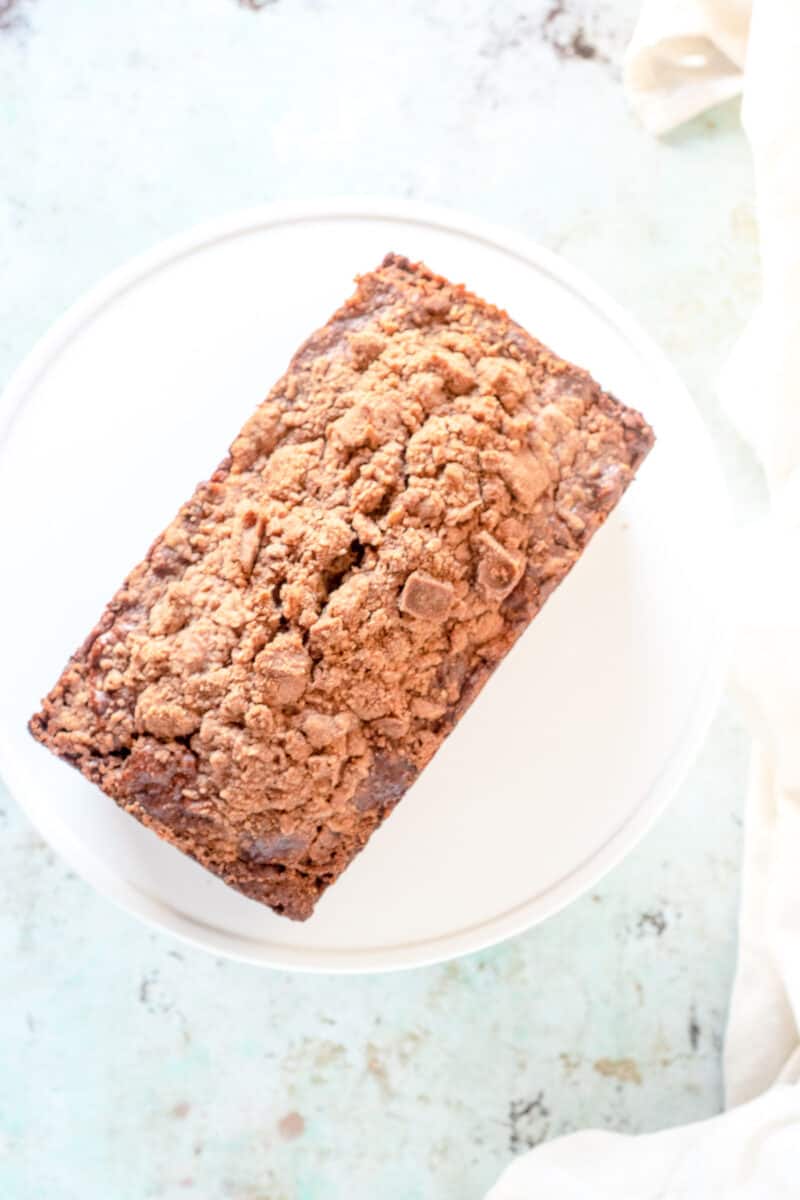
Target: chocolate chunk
283,671
282,847
499,572
425,597
389,778
527,478
154,776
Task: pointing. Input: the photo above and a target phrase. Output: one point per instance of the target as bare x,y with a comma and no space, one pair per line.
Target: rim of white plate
538,907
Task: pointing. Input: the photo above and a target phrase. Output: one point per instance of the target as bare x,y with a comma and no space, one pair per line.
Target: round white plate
583,733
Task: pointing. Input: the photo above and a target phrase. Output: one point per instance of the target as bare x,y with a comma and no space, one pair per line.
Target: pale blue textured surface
134,1067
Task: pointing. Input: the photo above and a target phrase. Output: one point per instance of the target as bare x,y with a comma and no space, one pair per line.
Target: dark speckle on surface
566,34
145,987
291,1126
651,924
157,999
580,47
528,1123
623,1070
694,1028
11,14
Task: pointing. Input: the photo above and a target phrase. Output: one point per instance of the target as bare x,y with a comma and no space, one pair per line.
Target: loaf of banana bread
299,641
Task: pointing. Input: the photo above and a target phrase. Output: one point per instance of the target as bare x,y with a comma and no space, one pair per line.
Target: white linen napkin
749,1153
685,56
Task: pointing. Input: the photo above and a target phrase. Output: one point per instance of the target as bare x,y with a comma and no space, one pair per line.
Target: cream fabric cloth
685,56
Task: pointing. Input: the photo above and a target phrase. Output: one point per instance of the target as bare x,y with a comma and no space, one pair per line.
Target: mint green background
134,1067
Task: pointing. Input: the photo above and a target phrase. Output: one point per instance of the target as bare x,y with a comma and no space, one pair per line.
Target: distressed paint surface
134,1067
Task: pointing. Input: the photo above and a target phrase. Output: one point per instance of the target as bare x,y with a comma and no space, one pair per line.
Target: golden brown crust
299,641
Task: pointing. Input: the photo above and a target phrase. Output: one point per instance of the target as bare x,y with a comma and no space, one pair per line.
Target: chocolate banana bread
297,644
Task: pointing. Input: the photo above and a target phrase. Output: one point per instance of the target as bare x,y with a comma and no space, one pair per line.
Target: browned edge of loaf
155,792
